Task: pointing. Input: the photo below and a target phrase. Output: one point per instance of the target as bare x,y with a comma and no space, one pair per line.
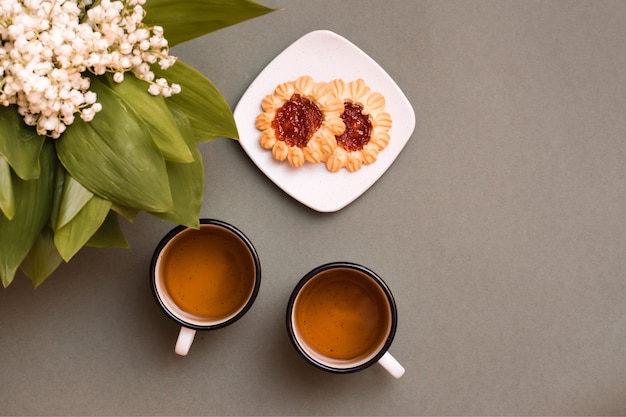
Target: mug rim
347,265
176,231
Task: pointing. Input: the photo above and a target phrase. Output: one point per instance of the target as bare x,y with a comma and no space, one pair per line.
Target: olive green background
500,229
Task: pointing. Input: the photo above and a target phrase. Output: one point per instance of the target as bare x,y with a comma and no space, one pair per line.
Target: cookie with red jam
366,123
300,121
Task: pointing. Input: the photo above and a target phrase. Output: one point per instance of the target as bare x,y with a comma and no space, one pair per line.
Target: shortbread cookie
367,126
300,121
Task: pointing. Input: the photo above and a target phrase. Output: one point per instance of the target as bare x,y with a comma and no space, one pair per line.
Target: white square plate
325,56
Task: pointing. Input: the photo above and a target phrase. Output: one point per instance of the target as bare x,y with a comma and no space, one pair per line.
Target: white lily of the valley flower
48,46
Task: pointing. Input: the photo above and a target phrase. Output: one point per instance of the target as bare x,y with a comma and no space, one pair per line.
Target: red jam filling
297,120
358,128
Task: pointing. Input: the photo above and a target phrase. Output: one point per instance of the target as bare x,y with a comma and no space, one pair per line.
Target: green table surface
500,229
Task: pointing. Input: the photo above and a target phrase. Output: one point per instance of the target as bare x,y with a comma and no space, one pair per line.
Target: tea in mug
342,316
208,273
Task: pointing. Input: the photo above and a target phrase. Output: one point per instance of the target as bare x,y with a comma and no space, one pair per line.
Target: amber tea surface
342,314
208,273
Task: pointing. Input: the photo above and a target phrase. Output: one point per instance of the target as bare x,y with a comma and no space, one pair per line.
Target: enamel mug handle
185,339
391,365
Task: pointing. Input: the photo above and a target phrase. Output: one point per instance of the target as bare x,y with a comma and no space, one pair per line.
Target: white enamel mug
225,271
342,317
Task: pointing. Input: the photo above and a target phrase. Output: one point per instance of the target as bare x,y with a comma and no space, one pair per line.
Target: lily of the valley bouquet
98,120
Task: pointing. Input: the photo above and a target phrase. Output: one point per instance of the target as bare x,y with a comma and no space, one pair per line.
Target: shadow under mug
205,278
342,317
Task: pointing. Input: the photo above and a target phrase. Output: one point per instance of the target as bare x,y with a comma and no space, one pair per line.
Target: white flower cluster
48,45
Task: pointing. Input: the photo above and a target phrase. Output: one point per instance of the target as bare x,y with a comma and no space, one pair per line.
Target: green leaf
210,115
43,258
20,144
189,19
157,117
186,181
109,234
128,213
33,202
70,238
7,201
59,186
73,199
114,156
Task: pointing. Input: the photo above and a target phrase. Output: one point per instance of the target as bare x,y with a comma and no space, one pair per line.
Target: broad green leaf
59,186
43,258
7,201
73,199
186,181
128,213
70,238
109,234
189,19
210,115
157,117
33,202
114,156
20,144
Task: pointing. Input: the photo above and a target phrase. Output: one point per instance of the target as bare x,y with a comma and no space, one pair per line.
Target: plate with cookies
324,121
